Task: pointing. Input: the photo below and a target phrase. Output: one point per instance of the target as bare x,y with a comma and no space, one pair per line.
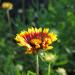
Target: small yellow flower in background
36,39
7,5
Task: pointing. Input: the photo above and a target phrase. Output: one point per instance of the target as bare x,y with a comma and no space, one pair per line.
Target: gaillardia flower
7,5
35,39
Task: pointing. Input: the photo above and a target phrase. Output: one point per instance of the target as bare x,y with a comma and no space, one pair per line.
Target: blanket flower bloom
7,5
36,39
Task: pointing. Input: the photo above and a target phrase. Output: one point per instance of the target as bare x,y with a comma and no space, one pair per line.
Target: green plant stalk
49,68
23,8
9,19
37,65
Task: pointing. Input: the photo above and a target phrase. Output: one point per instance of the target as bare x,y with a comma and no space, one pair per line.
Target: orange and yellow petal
45,30
49,48
47,40
20,40
37,46
53,36
40,30
29,51
36,30
35,41
30,30
23,33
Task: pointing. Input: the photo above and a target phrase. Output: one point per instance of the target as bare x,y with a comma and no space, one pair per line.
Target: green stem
23,7
49,68
9,20
37,65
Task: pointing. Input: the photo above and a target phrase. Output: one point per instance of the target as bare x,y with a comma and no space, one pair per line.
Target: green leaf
31,73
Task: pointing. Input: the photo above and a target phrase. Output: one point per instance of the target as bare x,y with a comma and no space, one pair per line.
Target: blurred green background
58,16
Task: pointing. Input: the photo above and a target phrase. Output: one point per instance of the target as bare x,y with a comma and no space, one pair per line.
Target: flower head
19,67
61,71
48,57
7,5
36,39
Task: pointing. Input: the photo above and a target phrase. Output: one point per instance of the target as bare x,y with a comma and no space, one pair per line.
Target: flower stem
37,65
9,19
23,8
49,68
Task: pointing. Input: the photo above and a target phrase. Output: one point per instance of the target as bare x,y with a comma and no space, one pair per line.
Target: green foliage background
58,17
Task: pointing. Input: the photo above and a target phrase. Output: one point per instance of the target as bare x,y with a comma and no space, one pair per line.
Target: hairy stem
49,68
37,65
9,20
